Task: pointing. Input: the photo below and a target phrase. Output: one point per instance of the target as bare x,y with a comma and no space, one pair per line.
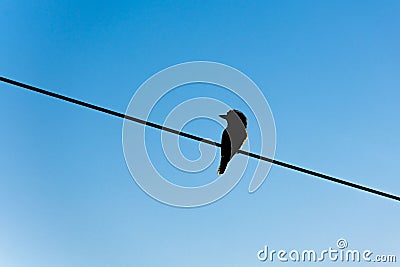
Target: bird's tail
222,165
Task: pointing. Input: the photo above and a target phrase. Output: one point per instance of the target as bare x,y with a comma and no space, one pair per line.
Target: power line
196,138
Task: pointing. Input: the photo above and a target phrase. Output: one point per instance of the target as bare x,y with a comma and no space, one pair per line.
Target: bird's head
234,116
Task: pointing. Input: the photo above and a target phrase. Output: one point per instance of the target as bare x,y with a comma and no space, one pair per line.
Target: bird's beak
223,116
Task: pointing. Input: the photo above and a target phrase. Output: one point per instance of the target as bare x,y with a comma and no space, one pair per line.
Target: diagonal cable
196,138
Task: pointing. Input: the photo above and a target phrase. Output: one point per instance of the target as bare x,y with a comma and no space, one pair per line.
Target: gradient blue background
329,69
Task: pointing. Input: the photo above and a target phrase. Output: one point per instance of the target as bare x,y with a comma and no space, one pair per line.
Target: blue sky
329,70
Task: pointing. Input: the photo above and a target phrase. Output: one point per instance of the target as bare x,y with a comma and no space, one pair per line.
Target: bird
233,137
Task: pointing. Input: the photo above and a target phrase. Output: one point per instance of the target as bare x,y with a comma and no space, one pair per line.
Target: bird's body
233,137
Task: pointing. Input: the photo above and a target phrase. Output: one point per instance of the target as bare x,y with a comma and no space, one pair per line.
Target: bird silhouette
233,137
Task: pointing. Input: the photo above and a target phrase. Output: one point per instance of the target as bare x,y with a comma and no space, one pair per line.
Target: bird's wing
240,138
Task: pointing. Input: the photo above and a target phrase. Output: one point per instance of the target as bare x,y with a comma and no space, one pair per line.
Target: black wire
193,137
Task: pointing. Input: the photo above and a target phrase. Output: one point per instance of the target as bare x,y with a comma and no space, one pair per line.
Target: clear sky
329,70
